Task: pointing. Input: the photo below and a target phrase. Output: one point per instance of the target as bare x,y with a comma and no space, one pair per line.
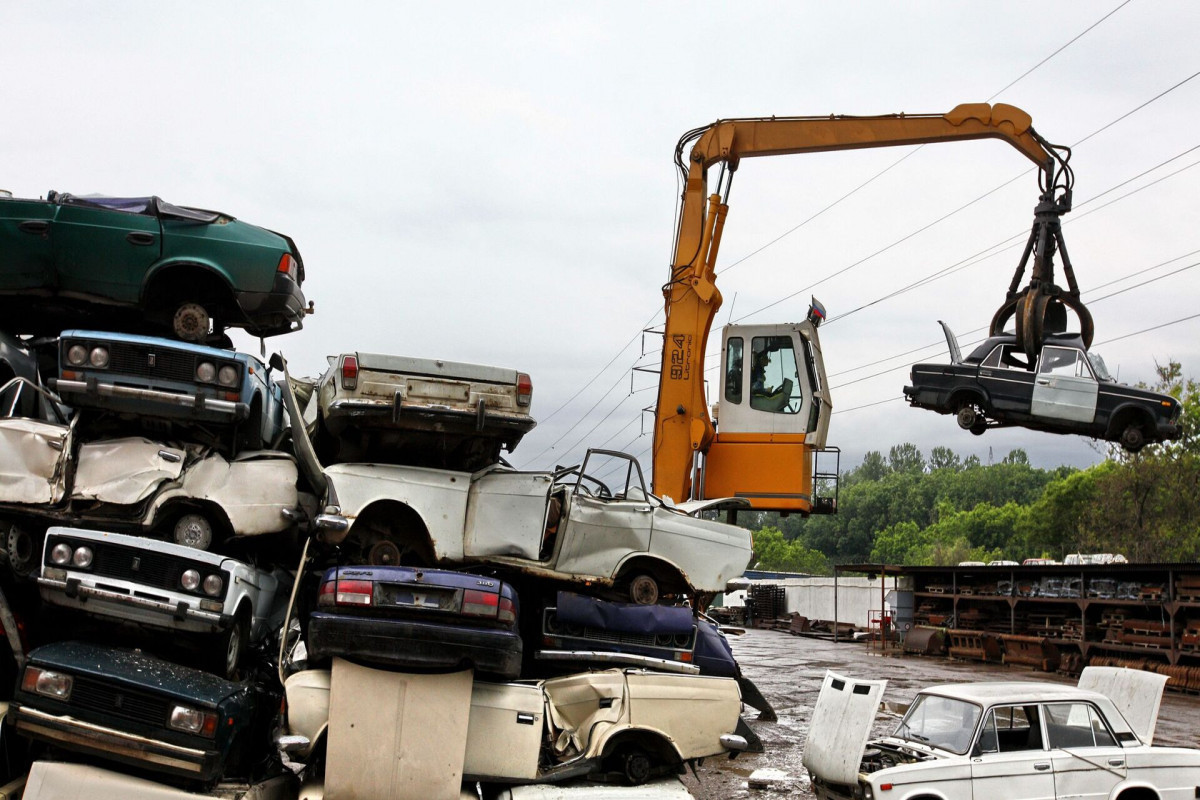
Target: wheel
1133,438
385,553
193,530
635,766
967,417
230,646
643,590
191,322
22,550
978,428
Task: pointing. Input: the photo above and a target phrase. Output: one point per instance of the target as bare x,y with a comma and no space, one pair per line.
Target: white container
504,734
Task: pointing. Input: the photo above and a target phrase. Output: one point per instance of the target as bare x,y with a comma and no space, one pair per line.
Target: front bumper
409,644
280,310
137,400
178,615
110,743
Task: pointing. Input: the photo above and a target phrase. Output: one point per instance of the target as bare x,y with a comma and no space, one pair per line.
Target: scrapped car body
179,268
55,780
665,789
417,618
164,586
423,411
146,376
138,710
132,484
1013,739
1067,390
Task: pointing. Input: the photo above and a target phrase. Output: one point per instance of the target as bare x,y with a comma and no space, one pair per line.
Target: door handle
1043,381
1116,762
140,239
38,226
643,509
1041,767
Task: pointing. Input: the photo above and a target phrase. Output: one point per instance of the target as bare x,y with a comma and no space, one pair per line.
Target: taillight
346,593
349,372
288,266
507,612
524,389
480,604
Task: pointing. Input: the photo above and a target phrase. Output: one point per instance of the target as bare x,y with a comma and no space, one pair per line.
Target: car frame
1012,739
141,711
148,376
177,268
1066,390
133,579
416,618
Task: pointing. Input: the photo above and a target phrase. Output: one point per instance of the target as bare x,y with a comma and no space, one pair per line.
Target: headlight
61,554
77,356
213,585
46,683
99,357
191,720
206,372
82,557
227,376
190,580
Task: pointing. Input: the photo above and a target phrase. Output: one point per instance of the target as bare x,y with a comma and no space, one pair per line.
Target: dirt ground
789,671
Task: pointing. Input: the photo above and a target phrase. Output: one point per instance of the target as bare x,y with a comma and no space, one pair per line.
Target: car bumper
408,644
925,397
138,400
117,745
169,614
280,310
395,413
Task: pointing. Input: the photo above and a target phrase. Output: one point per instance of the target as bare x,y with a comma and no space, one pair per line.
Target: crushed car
146,262
165,587
134,709
1066,390
413,618
421,411
146,377
1011,739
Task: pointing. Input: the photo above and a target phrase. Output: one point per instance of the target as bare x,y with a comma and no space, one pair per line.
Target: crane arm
683,426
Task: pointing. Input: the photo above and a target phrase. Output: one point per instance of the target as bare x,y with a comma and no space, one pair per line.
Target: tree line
909,508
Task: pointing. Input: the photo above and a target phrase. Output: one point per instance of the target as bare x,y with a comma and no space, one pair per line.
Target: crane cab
771,418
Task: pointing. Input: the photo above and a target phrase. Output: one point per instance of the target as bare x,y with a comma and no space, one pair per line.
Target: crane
768,442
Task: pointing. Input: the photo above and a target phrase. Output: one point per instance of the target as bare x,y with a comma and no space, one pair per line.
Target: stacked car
212,565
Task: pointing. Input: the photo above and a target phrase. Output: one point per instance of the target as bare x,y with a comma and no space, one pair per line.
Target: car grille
90,694
140,565
134,359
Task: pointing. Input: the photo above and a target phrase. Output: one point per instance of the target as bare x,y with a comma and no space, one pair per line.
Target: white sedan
1015,740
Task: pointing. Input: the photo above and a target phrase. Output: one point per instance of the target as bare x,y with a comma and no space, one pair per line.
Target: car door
608,516
1064,388
26,244
1005,375
1009,758
104,252
1088,761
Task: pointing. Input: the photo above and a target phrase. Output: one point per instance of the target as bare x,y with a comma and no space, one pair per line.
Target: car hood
841,724
1136,694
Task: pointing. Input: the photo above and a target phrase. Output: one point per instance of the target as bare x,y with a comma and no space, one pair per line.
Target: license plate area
419,597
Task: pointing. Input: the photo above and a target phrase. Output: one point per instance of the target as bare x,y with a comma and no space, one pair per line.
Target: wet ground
789,671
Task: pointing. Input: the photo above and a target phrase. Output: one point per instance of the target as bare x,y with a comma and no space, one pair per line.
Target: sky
493,182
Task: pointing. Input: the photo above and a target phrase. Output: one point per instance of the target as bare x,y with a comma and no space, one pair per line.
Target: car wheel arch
1136,792
1127,414
398,521
973,394
169,512
654,741
668,574
166,282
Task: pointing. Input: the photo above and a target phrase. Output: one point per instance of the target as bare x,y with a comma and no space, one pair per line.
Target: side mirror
277,362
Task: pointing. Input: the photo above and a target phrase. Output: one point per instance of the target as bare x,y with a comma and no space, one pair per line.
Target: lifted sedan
1067,390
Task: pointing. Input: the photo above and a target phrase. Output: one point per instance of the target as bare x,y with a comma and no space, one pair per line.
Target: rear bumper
280,310
382,413
116,745
420,645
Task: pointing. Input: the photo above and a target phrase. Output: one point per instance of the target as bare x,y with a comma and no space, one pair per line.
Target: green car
143,262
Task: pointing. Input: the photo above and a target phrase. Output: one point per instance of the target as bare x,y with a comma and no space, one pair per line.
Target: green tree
906,458
944,458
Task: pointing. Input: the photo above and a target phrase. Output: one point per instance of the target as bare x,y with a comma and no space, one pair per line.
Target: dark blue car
416,618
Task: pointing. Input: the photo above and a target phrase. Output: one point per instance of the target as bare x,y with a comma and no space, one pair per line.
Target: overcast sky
493,182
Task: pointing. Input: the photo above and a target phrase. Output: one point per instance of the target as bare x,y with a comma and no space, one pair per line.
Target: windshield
1098,366
940,722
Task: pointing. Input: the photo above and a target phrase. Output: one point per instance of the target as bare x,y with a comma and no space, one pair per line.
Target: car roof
987,693
1057,339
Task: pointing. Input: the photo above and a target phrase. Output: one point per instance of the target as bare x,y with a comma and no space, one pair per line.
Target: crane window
774,375
733,370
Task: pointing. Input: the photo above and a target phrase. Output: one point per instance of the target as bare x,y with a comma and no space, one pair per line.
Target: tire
24,552
230,645
967,416
191,322
1133,438
635,765
193,529
978,428
643,589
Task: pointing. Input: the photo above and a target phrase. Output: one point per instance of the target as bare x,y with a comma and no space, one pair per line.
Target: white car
1017,740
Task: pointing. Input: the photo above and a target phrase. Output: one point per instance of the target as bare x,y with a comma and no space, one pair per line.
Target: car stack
220,575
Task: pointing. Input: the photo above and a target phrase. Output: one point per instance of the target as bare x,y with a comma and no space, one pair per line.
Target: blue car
145,376
411,617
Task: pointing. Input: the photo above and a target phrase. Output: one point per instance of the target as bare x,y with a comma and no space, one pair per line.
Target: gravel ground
789,671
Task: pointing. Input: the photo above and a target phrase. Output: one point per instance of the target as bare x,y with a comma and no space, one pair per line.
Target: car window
941,722
1009,729
1063,362
733,370
1076,725
1006,356
774,375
